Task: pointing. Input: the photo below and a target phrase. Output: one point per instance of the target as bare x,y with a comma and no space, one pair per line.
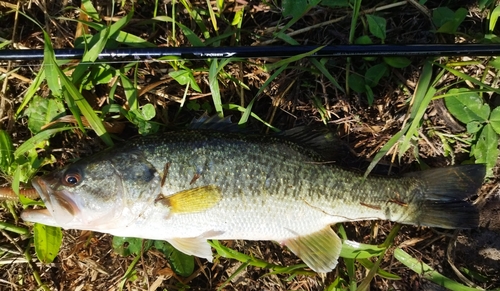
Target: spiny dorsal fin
193,200
319,250
215,123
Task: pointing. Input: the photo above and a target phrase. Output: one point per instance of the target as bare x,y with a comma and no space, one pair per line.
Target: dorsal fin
215,123
320,141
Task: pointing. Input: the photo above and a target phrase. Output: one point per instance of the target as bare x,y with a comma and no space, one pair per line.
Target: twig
452,265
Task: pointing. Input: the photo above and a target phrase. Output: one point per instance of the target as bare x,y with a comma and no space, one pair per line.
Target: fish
202,183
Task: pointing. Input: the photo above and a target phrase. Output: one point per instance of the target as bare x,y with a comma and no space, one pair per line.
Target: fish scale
189,186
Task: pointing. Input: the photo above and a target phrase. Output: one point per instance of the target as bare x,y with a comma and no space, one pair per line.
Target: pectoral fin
193,200
319,250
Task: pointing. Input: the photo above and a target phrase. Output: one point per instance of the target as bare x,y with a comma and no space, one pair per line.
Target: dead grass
86,260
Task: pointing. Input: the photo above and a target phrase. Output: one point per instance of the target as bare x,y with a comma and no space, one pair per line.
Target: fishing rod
194,53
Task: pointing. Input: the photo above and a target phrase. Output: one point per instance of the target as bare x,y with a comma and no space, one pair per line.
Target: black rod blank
264,51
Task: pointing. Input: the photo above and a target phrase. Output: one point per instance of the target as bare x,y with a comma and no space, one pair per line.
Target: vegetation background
402,113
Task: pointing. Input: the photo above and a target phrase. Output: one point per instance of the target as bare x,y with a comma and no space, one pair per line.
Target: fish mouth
60,206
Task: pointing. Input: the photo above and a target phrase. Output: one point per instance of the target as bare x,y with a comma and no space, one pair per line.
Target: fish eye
71,178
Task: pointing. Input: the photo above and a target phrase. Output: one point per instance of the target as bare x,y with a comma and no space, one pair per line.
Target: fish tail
445,203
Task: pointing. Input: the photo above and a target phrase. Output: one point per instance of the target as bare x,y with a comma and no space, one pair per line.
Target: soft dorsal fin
322,142
319,250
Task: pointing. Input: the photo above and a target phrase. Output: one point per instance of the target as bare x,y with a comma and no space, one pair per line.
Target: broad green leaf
357,83
148,111
144,126
424,270
125,246
441,15
467,106
48,241
495,119
452,24
304,8
42,111
335,3
6,152
364,39
181,263
369,95
377,26
184,77
294,8
397,62
474,126
495,62
99,74
486,149
374,74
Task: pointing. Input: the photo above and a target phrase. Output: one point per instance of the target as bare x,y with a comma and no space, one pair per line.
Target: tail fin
445,194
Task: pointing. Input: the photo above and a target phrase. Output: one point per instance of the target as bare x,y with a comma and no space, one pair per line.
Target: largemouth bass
187,187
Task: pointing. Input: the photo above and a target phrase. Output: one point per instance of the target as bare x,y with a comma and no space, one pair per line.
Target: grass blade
429,273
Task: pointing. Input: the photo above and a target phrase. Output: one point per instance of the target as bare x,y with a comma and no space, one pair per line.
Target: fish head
84,195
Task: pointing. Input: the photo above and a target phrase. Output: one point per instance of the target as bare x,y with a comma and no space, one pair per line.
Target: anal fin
319,250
